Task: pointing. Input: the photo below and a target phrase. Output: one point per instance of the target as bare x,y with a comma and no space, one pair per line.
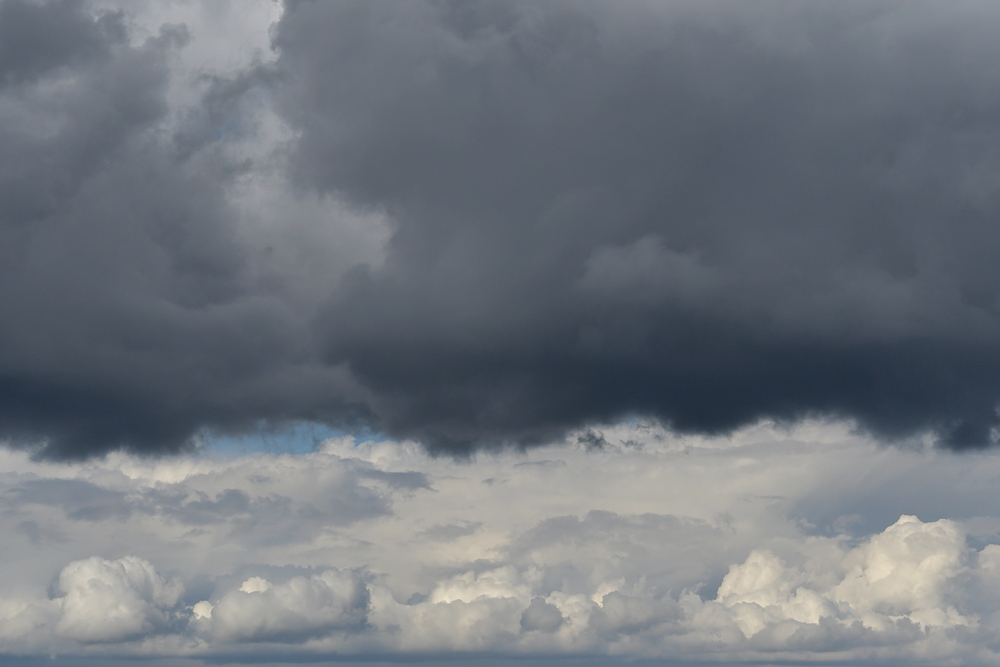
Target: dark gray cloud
36,38
706,213
133,314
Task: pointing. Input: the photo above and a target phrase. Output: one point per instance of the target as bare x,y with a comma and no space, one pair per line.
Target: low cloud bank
907,591
651,545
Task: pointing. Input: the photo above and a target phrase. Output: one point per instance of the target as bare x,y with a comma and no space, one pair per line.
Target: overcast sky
610,330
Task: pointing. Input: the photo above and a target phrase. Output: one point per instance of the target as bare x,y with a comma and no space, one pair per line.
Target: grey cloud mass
134,311
485,223
705,212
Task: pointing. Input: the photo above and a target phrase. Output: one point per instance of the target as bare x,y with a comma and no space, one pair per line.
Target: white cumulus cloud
751,547
292,611
113,600
910,572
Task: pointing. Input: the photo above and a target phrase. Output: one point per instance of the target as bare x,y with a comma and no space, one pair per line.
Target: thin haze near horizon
609,331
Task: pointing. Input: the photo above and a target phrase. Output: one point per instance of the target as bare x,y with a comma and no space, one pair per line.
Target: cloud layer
770,546
478,224
703,212
575,245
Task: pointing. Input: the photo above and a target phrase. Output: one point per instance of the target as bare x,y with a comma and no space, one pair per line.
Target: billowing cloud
158,271
909,573
747,548
292,611
705,212
491,223
110,601
664,276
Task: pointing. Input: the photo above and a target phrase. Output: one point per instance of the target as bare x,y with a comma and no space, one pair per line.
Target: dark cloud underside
707,213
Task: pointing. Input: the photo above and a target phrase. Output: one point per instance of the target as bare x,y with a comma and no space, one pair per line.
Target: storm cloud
478,224
705,212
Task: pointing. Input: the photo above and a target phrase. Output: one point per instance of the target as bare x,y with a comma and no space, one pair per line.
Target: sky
500,332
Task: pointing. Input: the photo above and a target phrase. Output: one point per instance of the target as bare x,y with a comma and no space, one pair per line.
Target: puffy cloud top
289,612
695,549
909,572
110,601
